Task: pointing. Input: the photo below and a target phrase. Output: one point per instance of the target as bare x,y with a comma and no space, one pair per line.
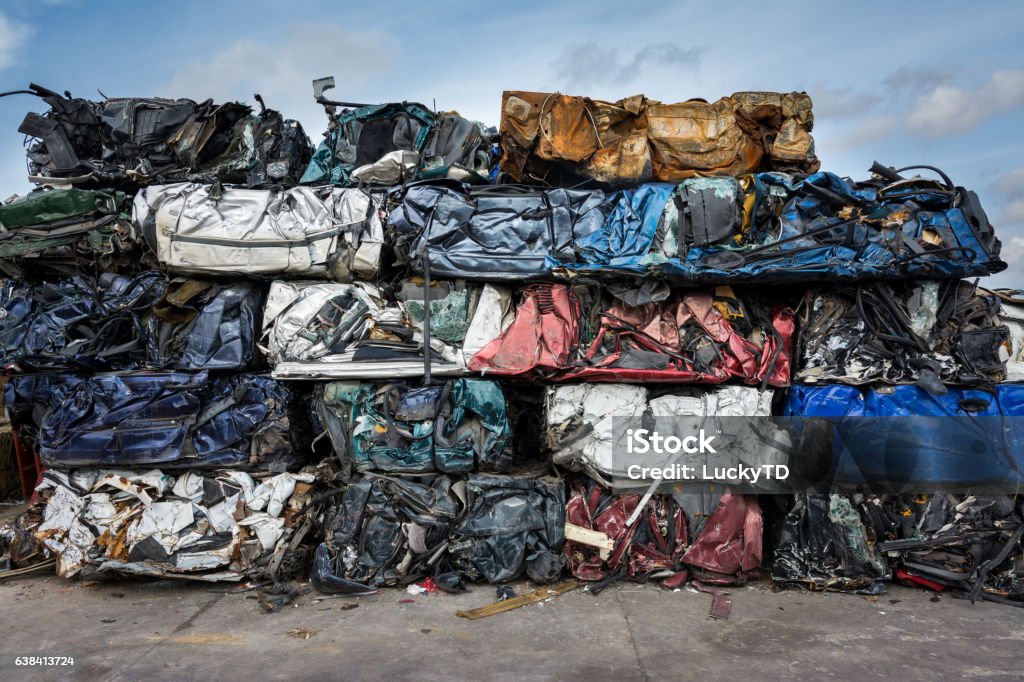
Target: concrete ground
176,630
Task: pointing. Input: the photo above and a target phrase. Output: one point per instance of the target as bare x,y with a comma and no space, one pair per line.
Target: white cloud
1011,182
915,80
1013,255
14,36
587,64
1010,189
867,132
282,71
841,103
1013,212
948,109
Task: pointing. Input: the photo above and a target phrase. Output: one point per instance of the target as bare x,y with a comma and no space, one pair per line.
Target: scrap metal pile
398,356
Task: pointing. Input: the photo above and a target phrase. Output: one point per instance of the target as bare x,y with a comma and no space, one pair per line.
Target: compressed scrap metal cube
213,525
641,334
298,232
456,427
166,419
131,142
143,321
933,333
60,232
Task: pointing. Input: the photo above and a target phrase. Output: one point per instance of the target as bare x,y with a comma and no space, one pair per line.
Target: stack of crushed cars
917,382
165,447
397,357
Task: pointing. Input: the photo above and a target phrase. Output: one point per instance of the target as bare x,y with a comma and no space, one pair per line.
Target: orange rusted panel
556,138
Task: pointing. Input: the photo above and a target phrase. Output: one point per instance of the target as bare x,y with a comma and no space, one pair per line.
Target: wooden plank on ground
538,595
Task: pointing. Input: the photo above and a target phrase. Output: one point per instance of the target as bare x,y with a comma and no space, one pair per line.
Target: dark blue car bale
122,322
166,419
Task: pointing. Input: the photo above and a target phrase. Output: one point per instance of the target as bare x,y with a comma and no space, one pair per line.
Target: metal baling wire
547,135
426,296
540,118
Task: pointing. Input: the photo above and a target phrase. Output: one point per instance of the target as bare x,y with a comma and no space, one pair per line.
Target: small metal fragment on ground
344,607
538,595
274,598
721,602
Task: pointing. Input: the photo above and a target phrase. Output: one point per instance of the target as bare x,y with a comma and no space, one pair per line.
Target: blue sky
940,83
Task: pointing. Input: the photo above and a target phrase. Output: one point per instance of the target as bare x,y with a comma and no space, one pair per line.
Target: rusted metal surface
548,137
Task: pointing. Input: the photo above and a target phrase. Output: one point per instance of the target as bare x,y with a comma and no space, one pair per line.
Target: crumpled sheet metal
723,213
130,142
143,321
19,547
501,233
652,547
361,136
512,525
927,332
578,418
971,543
296,232
1011,314
389,144
682,337
834,229
728,548
541,337
390,530
459,426
460,149
217,525
824,544
898,438
554,138
718,541
761,228
387,531
63,231
167,419
334,330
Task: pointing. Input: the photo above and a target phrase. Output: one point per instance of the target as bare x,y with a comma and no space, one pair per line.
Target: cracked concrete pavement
179,630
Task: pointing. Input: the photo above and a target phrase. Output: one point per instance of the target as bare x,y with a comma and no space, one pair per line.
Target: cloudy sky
941,83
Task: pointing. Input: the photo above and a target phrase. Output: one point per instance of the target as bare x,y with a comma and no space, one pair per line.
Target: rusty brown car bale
547,137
